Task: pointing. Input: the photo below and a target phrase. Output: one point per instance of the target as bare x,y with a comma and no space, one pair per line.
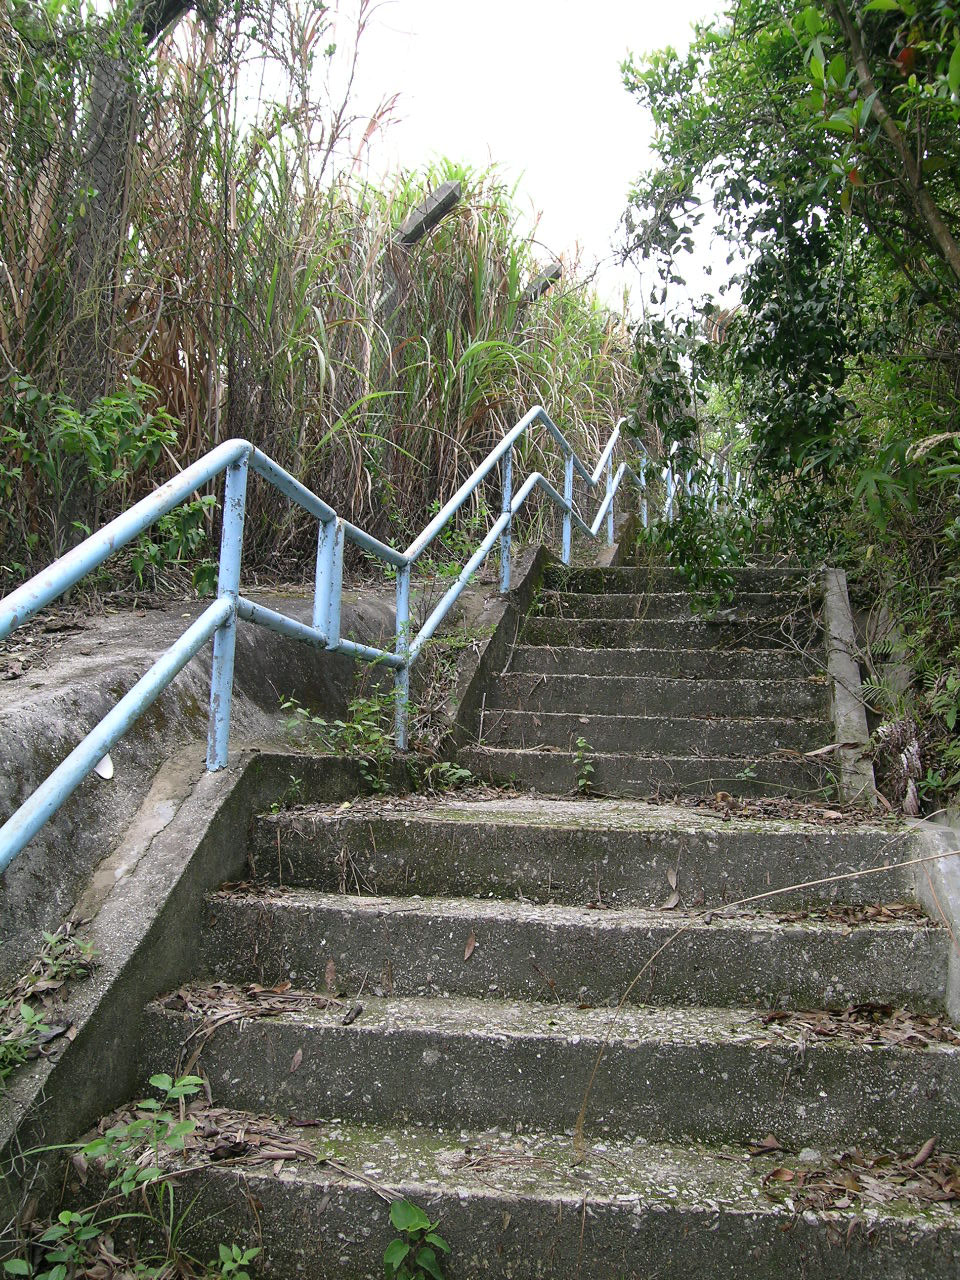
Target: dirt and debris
855,1179
864,1024
36,640
816,812
217,1004
388,804
858,914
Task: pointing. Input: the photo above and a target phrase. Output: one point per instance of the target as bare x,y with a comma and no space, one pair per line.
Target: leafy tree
823,140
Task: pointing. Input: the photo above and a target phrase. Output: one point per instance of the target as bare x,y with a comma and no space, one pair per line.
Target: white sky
535,86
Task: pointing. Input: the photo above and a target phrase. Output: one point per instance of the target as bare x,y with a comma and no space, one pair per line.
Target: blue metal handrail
235,458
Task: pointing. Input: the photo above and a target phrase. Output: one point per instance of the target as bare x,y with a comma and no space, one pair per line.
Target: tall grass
262,293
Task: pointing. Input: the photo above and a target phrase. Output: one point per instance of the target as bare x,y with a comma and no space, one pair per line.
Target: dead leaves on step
774,808
856,1179
217,1004
870,1024
857,914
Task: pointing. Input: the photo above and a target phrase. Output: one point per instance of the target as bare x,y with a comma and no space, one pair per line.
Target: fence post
225,637
507,488
610,521
329,581
568,499
401,683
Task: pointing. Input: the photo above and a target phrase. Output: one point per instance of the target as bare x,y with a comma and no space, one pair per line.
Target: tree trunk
910,177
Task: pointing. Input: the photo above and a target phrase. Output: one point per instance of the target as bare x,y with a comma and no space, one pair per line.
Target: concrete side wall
849,715
49,709
146,920
937,885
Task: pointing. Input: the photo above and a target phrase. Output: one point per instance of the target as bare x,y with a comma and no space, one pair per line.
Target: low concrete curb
937,886
148,906
45,712
857,785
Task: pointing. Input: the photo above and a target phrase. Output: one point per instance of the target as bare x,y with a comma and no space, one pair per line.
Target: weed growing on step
291,794
412,1255
24,1028
139,1202
444,775
366,733
583,764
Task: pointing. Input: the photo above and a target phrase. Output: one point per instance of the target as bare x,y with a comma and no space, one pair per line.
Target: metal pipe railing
235,459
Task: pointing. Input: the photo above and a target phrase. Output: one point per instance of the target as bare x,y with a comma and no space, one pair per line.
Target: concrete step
644,777
655,695
621,852
677,664
627,578
520,1205
656,633
416,947
677,605
668,735
705,1074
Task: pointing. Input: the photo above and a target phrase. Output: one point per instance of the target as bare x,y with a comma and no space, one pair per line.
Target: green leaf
407,1217
882,6
395,1253
439,1241
16,1267
426,1260
953,71
812,20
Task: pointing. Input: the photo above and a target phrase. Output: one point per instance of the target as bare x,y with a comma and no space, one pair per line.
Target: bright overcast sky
533,85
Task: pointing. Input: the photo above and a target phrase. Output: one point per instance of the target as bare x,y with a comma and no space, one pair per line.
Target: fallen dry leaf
671,902
765,1146
297,1059
469,949
924,1154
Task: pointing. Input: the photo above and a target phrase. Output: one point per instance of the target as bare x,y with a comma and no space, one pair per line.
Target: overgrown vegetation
135,1225
823,141
214,266
26,1024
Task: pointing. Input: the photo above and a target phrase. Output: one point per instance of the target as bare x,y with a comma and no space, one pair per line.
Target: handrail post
329,581
401,684
505,506
644,517
610,521
568,499
225,637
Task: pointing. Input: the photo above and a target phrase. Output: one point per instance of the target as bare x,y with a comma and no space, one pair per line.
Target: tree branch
910,177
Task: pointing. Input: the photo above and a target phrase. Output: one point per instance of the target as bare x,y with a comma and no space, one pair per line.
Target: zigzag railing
235,459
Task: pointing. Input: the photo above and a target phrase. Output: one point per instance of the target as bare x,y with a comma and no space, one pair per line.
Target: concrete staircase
668,700
420,989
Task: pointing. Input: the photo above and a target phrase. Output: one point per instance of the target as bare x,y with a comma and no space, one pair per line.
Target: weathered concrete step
627,578
677,605
416,946
708,1075
677,664
574,851
556,772
519,1205
657,633
654,734
655,695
